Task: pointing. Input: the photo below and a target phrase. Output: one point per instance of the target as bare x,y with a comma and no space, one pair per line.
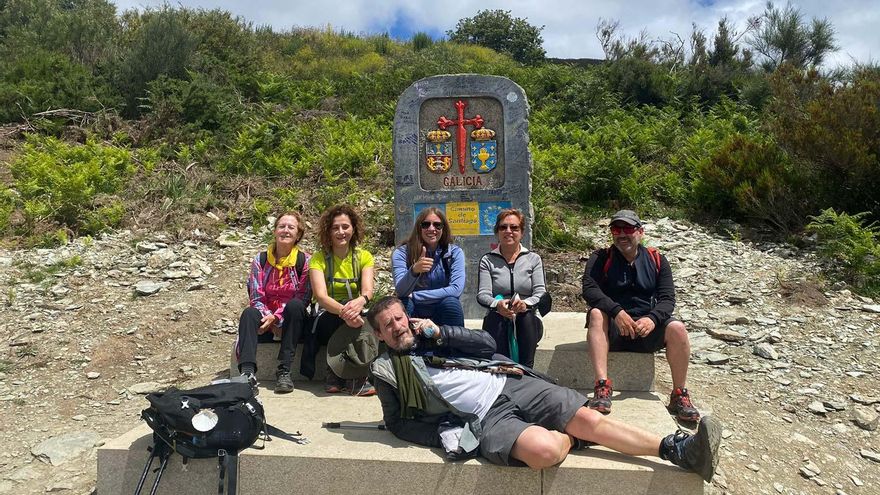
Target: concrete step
562,354
373,461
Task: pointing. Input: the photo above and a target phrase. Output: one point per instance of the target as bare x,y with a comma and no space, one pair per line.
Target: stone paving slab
358,461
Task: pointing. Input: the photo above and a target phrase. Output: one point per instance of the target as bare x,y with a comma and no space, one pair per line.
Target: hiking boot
250,379
333,384
681,407
284,385
601,400
698,452
361,387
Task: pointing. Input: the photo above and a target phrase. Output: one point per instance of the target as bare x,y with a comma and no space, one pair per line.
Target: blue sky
569,25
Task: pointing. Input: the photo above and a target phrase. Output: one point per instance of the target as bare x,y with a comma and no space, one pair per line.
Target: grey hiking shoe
284,383
697,452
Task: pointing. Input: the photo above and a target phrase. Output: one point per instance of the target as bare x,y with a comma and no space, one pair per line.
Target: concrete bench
373,461
562,354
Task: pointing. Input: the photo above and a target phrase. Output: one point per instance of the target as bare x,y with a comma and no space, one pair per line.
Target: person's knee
677,335
249,314
546,455
598,321
450,303
294,308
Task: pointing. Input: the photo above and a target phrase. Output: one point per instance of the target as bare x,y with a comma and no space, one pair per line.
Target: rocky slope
790,367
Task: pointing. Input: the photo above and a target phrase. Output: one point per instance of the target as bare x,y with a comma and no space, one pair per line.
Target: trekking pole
140,485
352,426
163,456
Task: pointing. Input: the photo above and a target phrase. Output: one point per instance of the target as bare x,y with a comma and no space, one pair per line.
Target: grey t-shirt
468,390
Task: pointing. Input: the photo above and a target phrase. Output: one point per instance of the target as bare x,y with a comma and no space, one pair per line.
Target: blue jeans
446,311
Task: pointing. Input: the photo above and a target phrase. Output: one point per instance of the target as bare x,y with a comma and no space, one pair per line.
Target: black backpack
231,414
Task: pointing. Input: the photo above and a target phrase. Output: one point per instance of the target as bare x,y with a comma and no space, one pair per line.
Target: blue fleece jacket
431,286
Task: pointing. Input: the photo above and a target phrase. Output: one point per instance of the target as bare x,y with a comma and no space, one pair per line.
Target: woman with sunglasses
511,284
429,271
342,284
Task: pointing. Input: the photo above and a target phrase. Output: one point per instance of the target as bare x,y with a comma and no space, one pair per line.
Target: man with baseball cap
631,297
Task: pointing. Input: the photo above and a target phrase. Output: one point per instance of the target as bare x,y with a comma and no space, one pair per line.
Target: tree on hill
500,31
784,36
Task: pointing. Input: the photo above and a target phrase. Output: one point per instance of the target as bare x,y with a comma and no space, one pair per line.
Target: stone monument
461,145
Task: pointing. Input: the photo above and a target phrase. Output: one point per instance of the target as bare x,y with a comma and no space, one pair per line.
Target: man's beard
406,347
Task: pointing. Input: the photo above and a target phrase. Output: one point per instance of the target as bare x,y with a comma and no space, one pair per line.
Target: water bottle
430,332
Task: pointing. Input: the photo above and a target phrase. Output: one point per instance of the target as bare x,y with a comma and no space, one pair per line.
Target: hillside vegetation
154,118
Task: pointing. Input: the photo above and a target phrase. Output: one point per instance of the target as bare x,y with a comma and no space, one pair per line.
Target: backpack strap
227,461
264,258
355,270
653,253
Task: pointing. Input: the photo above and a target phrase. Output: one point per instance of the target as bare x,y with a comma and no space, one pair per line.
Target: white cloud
569,25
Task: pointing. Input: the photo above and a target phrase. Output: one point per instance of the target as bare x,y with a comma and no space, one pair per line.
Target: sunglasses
509,226
625,229
436,225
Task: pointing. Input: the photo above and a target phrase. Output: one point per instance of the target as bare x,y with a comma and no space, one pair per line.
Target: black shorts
655,341
525,401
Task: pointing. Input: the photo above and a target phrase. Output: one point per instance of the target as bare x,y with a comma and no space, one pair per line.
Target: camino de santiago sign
461,144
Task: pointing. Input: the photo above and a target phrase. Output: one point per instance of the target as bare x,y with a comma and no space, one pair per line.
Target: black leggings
529,330
249,323
324,329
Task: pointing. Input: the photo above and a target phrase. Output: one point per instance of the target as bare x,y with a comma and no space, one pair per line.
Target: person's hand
644,326
352,308
420,324
356,322
625,324
423,264
277,331
518,306
266,323
503,308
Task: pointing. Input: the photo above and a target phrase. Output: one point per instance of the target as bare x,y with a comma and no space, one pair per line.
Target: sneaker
333,384
698,452
680,406
601,400
361,387
284,385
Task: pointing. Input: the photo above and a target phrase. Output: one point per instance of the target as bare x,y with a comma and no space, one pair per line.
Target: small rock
871,308
816,407
856,481
79,417
865,418
716,358
835,405
149,287
147,247
145,388
766,351
60,449
797,437
91,375
754,467
226,243
726,335
870,455
174,274
779,487
212,216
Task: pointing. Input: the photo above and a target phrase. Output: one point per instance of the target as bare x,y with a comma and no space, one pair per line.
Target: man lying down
442,387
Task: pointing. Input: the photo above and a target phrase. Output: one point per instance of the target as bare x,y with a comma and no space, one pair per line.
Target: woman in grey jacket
511,283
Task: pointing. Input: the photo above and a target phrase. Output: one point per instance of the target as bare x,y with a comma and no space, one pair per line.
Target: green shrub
750,176
851,246
69,184
421,40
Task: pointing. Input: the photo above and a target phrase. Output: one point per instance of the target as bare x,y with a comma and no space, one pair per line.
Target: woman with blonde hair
429,271
278,289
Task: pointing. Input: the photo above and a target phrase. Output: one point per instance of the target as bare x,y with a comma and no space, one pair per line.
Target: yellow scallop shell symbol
438,136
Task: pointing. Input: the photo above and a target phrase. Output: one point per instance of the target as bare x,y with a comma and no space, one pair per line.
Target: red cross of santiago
461,134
